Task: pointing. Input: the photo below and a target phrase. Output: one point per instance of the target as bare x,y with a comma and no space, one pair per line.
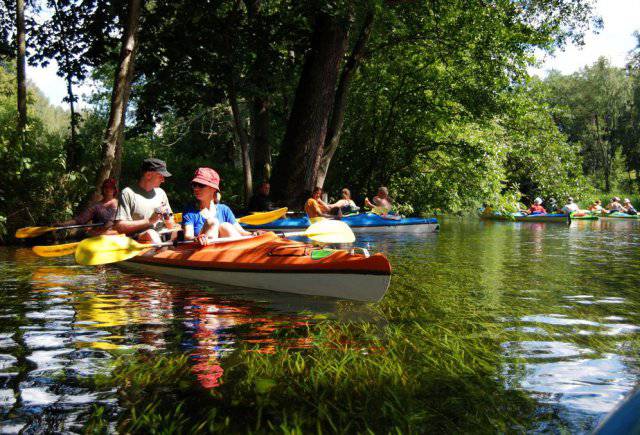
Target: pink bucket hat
208,177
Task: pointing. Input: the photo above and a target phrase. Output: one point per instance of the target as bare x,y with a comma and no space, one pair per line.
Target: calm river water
567,298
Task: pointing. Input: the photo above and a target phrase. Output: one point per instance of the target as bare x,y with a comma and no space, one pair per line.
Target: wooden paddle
263,217
28,232
112,249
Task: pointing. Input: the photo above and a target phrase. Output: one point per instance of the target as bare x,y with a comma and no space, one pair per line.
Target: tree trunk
260,76
261,146
72,144
21,72
296,170
241,134
334,130
120,94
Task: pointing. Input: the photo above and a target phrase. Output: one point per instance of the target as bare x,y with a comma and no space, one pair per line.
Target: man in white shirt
143,209
570,207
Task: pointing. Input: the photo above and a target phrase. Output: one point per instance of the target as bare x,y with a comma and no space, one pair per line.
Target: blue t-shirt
194,218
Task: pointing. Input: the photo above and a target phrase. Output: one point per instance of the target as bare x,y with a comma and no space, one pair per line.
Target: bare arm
128,227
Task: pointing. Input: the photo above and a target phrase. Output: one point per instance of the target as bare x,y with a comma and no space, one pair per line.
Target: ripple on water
593,385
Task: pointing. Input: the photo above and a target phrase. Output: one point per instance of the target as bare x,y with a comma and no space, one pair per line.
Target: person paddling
315,207
536,207
629,208
211,219
346,205
596,206
570,207
615,206
103,211
144,209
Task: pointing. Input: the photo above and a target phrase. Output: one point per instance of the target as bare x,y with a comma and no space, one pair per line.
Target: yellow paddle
28,232
263,217
56,250
327,231
112,249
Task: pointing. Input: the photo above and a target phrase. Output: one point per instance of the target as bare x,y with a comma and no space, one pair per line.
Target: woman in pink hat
210,220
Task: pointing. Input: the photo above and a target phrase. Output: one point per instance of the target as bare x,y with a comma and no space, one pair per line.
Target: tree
594,103
296,170
21,49
112,143
60,38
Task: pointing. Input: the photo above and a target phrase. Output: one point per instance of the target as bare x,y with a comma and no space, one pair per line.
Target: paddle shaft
70,227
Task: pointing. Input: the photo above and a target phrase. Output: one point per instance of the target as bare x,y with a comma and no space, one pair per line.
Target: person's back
570,207
537,208
615,206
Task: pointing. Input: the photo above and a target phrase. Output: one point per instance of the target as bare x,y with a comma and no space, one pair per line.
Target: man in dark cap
144,209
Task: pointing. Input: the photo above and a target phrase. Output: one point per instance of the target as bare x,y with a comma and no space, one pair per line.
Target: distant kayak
362,222
521,217
618,215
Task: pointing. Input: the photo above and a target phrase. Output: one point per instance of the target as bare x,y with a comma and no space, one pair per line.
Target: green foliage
35,186
592,109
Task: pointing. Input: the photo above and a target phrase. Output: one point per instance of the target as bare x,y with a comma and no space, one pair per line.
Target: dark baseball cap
155,165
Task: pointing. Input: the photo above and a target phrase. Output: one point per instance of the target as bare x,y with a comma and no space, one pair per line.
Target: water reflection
69,322
564,298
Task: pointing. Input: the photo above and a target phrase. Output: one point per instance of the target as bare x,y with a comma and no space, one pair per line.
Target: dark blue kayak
364,222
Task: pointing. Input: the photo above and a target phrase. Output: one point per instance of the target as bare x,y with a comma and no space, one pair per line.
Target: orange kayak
273,263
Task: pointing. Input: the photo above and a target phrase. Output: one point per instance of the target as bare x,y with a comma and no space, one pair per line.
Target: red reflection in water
214,321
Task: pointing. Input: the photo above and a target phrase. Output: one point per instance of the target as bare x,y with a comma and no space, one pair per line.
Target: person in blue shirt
211,219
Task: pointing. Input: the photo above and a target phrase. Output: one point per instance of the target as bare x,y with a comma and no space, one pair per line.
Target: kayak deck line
242,269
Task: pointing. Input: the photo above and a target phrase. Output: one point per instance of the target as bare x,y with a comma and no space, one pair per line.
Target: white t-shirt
135,203
570,208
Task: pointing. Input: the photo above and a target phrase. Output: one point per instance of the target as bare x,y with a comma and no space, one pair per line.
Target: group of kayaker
315,207
615,206
143,210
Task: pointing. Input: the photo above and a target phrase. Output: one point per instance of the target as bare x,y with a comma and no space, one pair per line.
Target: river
562,300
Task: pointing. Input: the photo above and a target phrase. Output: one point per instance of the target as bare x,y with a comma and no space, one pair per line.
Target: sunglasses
195,185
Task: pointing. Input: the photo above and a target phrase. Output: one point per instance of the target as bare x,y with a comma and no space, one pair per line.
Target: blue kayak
363,222
521,217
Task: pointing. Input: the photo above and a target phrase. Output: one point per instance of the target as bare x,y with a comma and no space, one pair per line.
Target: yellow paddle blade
263,217
107,249
177,218
27,232
330,231
56,250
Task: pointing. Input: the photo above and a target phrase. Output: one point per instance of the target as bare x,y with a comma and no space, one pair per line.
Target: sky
621,19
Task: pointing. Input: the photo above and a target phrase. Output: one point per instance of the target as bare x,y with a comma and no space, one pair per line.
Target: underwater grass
412,370
430,359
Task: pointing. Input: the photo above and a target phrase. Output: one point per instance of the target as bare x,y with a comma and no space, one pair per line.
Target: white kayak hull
359,287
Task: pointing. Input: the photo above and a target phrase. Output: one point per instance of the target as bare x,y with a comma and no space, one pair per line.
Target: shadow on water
541,317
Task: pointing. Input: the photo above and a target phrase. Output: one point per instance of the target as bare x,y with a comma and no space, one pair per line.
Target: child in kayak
211,219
